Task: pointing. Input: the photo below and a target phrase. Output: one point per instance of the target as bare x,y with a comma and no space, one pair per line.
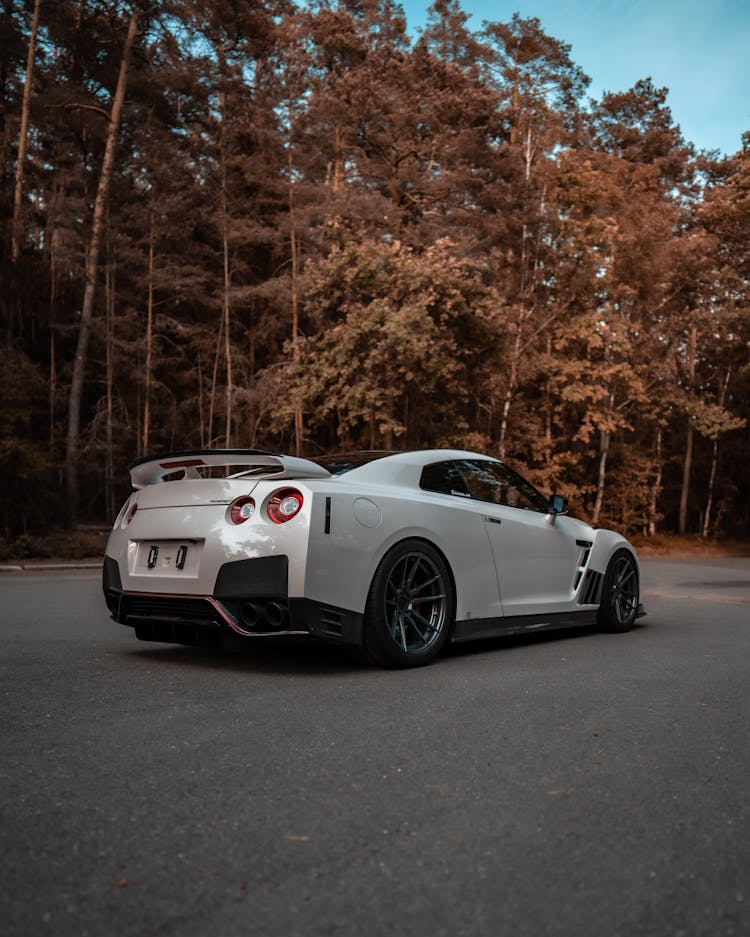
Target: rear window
344,462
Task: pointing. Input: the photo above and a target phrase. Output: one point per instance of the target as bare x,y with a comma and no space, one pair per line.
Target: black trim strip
327,528
475,628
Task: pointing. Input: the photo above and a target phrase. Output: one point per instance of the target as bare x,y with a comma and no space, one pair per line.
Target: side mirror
557,505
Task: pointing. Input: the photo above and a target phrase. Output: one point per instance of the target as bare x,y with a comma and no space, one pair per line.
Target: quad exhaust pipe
277,614
256,616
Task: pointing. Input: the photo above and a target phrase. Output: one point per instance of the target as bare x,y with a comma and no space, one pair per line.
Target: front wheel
620,594
409,608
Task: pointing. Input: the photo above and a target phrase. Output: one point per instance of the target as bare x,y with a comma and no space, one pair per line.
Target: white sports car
391,553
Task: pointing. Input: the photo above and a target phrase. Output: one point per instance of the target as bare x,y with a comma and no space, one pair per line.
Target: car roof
386,467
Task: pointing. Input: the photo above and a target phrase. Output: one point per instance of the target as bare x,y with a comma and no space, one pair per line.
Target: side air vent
332,622
584,552
591,589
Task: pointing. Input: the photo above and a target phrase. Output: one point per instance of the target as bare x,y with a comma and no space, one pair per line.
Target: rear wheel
620,594
410,606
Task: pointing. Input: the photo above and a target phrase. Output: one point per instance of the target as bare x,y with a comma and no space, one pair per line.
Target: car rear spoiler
254,462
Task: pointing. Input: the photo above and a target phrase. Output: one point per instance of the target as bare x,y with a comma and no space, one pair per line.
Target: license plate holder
168,557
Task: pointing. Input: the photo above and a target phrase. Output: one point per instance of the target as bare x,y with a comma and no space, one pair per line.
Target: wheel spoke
416,614
413,573
429,598
627,574
393,626
423,585
405,644
422,637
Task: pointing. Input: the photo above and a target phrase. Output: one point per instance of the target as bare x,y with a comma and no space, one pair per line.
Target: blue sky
699,49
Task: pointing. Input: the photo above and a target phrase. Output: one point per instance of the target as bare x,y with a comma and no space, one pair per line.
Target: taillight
242,509
284,505
131,514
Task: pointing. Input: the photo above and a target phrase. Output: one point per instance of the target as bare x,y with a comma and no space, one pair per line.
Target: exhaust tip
249,615
276,614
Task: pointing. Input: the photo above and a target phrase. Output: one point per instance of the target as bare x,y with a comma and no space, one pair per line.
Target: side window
494,482
445,478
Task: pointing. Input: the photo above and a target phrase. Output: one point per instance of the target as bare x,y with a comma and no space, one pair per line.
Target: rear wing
201,463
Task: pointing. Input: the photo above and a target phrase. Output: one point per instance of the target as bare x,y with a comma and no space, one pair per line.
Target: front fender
606,544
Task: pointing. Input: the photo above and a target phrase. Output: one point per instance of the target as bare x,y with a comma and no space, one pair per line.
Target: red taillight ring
242,509
131,514
284,505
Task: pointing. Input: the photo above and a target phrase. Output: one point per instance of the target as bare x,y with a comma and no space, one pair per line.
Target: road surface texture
584,784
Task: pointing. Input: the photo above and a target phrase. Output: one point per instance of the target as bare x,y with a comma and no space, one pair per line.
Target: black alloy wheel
410,606
620,594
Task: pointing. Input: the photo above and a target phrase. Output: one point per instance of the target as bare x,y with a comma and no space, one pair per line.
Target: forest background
249,223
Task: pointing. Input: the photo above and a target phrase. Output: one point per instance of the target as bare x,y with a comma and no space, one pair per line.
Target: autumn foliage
248,223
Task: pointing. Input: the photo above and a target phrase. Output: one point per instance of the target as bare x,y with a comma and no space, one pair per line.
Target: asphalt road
576,785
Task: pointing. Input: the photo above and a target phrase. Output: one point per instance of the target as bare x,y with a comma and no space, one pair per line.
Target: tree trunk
656,486
92,263
711,482
688,463
512,383
200,400
22,139
226,281
298,428
686,467
604,439
149,342
52,392
714,461
52,312
548,409
109,336
214,379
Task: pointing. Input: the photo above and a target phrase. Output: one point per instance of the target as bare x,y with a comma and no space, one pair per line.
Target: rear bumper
250,601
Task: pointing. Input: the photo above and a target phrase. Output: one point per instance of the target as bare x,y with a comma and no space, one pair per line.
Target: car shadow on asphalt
278,659
308,658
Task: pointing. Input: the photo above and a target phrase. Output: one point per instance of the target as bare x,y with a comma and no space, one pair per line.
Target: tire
620,594
409,608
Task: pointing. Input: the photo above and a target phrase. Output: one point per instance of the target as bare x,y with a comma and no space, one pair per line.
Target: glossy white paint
504,561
